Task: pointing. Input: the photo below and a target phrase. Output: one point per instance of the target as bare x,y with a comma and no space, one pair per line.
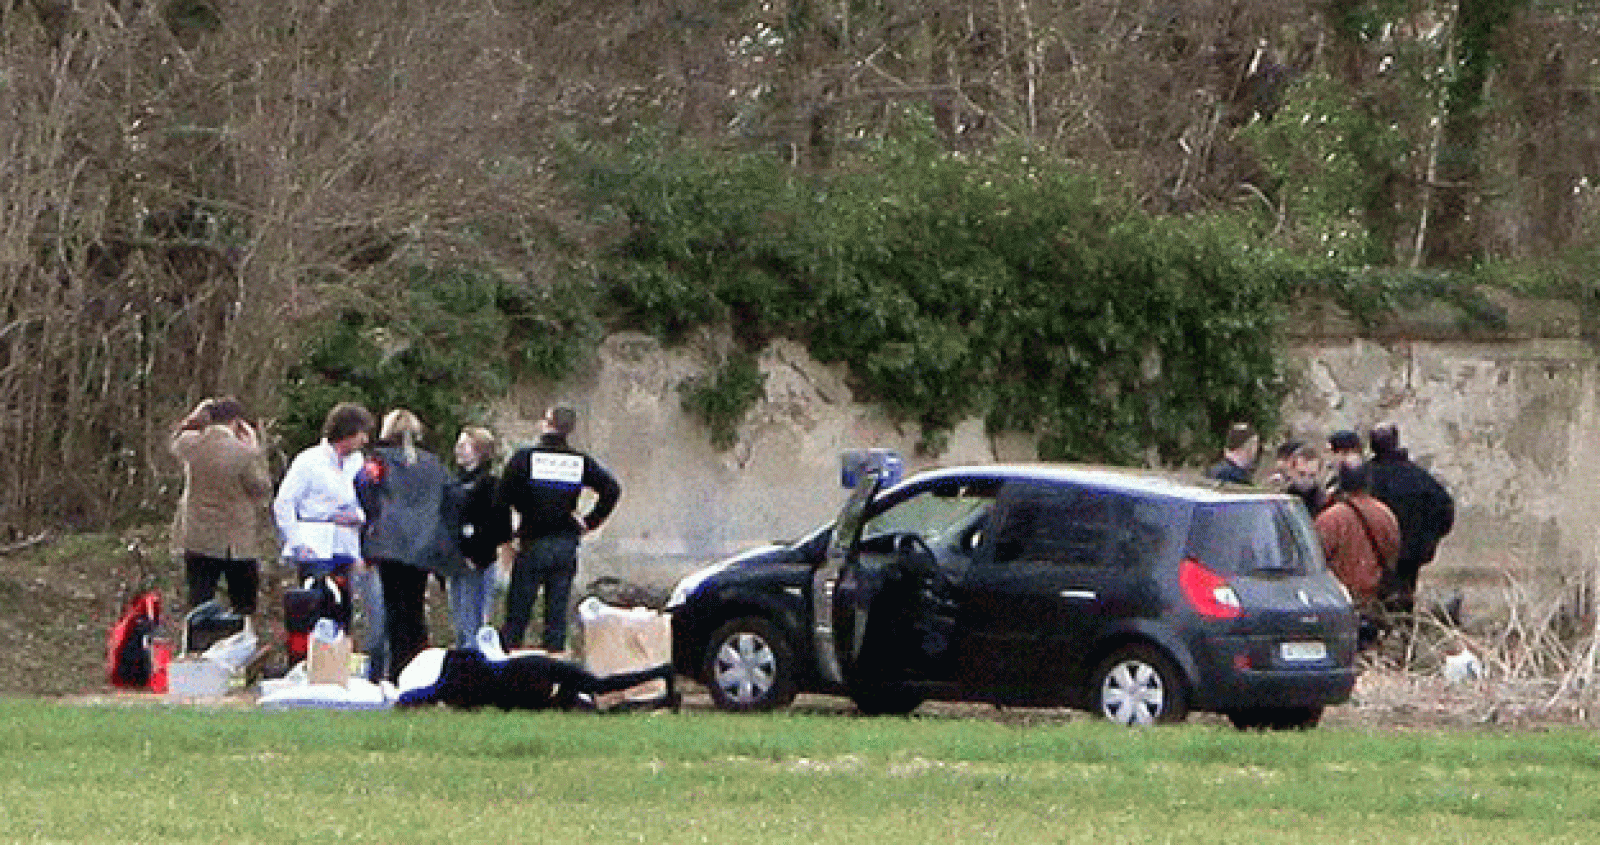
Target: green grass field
71,772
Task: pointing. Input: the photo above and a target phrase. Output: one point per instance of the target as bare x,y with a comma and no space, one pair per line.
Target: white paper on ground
357,694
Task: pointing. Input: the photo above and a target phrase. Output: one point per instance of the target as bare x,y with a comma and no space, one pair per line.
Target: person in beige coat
225,488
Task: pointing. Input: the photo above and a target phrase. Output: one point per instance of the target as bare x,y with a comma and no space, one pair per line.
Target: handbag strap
1372,541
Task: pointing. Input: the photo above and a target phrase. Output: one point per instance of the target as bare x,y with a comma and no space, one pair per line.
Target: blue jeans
548,563
375,641
469,604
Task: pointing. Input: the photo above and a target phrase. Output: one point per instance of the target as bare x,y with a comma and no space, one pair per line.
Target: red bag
128,657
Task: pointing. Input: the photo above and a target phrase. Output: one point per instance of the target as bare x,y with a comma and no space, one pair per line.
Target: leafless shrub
1532,656
178,207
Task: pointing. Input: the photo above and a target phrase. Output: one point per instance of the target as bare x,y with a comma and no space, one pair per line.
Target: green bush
439,341
1010,285
723,398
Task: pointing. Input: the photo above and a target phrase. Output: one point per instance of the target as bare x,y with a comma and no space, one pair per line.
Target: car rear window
1255,536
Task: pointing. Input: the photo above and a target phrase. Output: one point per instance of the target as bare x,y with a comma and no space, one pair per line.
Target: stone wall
1508,422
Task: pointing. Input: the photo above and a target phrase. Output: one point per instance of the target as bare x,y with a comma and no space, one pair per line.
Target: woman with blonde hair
409,532
484,526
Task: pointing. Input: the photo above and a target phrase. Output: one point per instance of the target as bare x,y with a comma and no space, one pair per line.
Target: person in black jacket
1421,504
482,526
1238,464
541,483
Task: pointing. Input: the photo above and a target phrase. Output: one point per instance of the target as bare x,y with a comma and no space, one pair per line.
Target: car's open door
838,612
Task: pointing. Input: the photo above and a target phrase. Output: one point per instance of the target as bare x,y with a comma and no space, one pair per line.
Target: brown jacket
1350,551
225,486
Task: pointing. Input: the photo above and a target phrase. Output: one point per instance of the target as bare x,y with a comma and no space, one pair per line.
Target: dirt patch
60,596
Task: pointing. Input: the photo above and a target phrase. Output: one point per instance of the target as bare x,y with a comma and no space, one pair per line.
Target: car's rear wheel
1138,685
749,666
1276,718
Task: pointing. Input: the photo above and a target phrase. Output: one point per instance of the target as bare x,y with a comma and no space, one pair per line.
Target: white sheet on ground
356,694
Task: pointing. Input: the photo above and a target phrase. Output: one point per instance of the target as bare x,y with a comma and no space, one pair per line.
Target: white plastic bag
355,694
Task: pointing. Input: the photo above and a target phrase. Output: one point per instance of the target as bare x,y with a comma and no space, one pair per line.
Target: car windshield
938,514
1261,535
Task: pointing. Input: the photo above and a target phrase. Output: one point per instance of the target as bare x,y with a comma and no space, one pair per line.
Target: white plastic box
194,677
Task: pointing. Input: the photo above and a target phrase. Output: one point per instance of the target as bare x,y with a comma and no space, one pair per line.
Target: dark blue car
1129,595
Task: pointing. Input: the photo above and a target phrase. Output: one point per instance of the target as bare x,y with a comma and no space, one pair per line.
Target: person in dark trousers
409,533
1425,510
1238,456
225,488
541,483
1360,539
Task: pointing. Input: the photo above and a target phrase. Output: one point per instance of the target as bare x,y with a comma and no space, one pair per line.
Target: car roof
1143,482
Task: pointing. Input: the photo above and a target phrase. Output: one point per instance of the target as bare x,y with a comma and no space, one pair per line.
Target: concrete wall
1509,423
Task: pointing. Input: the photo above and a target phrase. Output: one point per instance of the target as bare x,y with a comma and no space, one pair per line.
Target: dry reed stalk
1534,669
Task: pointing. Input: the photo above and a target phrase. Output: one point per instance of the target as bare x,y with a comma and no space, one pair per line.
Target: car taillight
1208,592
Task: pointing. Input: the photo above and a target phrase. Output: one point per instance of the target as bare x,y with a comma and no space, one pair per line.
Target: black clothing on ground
469,680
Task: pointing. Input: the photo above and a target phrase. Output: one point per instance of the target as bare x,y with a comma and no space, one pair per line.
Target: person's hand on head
246,433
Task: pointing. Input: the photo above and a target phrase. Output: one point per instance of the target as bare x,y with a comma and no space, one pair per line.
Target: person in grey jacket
409,534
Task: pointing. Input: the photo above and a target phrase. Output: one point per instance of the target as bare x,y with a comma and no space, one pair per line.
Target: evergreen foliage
443,340
1010,285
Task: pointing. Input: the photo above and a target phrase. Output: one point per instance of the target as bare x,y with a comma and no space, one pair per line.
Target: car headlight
691,582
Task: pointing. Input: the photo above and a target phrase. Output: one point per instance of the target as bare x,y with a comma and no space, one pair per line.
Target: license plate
1303,651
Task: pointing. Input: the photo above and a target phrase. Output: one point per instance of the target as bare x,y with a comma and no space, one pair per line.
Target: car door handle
1086,595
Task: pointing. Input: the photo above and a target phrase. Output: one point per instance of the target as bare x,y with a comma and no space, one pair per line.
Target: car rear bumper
1242,672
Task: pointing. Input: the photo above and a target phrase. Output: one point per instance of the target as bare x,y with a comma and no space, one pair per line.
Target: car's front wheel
1138,685
749,666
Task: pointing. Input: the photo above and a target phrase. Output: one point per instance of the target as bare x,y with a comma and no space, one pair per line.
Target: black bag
207,624
318,597
128,660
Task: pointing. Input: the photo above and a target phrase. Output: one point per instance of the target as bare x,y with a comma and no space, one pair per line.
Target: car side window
1057,524
1145,530
937,515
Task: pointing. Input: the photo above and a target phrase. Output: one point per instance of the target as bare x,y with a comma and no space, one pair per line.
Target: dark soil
60,595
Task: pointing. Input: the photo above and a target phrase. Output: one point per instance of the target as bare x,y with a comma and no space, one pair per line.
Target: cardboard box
625,640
